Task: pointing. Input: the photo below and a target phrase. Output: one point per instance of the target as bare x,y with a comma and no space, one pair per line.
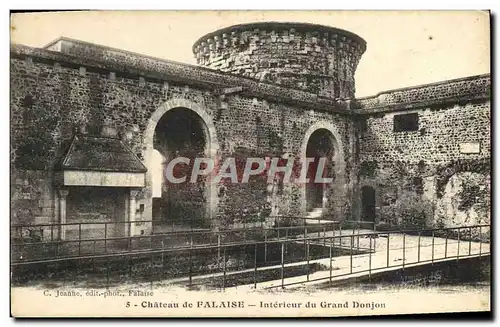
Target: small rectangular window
406,123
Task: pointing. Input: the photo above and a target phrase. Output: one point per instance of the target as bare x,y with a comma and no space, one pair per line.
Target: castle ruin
88,121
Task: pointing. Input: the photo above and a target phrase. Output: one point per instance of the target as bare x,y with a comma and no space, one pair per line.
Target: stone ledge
314,33
459,90
115,60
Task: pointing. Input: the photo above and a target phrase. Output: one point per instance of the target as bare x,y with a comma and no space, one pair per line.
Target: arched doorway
368,204
157,168
180,132
335,194
152,140
320,145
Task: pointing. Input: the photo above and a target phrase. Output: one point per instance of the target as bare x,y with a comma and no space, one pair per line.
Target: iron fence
44,241
276,256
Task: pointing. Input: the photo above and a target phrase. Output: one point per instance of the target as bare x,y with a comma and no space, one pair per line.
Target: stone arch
465,200
211,150
338,187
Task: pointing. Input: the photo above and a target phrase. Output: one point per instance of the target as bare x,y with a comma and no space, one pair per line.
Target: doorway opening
180,132
368,204
320,145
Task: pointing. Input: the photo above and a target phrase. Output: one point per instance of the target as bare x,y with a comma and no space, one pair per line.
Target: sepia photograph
250,163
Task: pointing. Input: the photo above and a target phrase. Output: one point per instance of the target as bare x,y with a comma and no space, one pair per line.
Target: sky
403,48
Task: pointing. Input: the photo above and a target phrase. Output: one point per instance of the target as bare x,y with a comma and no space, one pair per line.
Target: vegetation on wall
444,173
404,204
410,211
368,168
468,196
474,192
35,149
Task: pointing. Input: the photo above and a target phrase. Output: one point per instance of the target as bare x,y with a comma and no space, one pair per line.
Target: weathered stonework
315,58
429,95
73,87
423,162
94,99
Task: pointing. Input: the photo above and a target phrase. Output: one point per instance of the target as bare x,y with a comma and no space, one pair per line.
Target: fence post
162,257
265,245
224,269
305,242
432,257
286,239
79,239
105,237
151,272
370,261
307,257
480,241
470,240
388,238
255,268
352,245
107,274
191,260
357,240
278,221
446,246
418,253
282,265
333,231
340,235
129,261
218,246
404,250
458,244
331,246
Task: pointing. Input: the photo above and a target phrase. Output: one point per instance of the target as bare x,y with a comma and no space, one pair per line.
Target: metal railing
288,254
45,241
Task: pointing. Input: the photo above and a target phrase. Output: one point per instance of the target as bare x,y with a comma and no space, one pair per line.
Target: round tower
315,58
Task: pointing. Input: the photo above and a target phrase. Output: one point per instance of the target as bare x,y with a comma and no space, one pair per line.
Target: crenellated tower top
315,58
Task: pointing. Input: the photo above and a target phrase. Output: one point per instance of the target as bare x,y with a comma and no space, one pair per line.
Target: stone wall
83,87
32,197
315,58
77,53
434,94
53,99
440,173
95,205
